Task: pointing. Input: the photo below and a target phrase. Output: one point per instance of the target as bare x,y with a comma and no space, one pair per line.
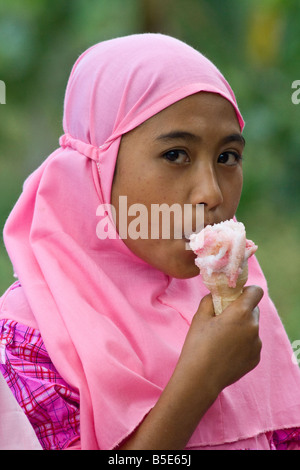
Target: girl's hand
217,352
227,345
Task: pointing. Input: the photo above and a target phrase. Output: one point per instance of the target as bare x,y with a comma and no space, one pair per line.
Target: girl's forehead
195,112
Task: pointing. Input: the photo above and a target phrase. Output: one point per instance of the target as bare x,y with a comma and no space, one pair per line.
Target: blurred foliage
255,44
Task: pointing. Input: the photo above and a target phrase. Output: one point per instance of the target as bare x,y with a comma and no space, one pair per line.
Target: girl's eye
176,156
229,158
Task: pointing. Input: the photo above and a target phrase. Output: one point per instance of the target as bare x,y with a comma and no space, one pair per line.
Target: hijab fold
113,325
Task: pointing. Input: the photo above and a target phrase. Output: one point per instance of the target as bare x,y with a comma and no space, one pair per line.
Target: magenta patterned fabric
51,406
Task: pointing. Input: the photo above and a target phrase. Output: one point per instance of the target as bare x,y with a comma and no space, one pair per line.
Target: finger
206,307
251,296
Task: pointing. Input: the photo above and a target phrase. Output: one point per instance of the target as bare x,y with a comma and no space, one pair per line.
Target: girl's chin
181,262
172,257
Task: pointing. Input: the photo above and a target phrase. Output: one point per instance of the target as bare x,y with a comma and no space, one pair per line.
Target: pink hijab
113,325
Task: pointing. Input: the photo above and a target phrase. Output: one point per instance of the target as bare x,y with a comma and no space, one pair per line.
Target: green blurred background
256,45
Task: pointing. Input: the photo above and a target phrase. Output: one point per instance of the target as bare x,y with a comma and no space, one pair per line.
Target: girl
111,342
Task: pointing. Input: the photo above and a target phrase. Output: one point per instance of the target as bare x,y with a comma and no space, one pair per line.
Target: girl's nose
206,189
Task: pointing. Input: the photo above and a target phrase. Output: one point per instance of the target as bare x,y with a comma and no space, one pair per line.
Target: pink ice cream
222,248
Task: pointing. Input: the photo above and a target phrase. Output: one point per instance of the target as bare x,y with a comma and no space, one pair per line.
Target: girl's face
189,153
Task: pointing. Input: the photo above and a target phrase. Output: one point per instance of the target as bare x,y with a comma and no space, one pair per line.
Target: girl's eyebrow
235,137
178,135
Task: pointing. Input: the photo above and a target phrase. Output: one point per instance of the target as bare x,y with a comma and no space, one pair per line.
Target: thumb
206,307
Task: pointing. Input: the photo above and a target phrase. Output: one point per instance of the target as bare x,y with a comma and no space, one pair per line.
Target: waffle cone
222,294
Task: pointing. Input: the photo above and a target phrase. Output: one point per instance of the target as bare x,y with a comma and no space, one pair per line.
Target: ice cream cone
222,294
